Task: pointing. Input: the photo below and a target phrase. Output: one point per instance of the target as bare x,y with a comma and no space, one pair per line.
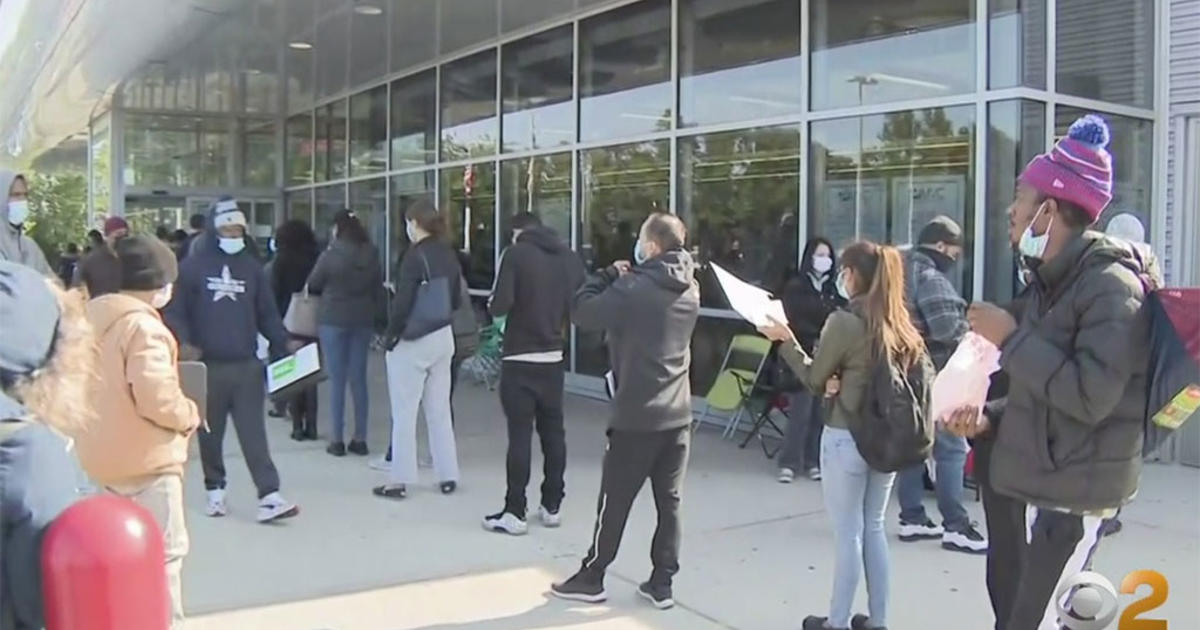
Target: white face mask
18,211
841,286
1031,245
163,297
822,264
408,231
231,246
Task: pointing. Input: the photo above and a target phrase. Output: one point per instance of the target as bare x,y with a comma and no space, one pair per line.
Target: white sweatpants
419,374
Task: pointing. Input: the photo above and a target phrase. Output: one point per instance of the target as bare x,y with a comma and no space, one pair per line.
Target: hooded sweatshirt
144,419
222,302
1071,433
349,280
538,278
648,316
15,246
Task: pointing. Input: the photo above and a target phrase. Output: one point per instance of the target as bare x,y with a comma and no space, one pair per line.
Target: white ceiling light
367,9
300,45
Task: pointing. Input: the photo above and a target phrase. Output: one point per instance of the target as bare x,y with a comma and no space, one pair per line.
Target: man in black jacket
538,277
648,312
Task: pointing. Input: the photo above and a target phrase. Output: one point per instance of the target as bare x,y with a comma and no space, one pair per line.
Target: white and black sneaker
274,507
967,540
506,523
657,594
926,530
581,587
549,519
216,506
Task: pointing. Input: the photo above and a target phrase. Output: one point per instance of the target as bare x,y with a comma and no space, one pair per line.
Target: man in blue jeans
939,312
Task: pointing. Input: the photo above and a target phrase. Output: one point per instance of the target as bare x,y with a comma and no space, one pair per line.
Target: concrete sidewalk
756,553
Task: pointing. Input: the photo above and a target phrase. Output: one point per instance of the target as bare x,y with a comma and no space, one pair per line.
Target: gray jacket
1071,433
15,245
350,282
649,315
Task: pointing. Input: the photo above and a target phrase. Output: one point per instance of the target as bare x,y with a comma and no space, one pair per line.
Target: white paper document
751,302
288,370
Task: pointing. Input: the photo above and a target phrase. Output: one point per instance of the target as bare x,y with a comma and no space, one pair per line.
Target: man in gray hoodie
15,245
648,312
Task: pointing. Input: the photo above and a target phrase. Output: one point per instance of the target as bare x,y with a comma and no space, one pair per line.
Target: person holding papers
648,311
222,302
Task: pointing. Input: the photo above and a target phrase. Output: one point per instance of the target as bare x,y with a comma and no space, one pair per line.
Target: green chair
740,369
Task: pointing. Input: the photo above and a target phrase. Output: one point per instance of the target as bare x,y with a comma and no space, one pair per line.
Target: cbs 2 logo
1088,601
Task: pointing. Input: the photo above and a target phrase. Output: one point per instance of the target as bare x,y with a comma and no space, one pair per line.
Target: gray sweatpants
419,376
236,389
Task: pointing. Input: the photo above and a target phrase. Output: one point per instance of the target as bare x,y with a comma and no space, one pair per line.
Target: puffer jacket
1071,433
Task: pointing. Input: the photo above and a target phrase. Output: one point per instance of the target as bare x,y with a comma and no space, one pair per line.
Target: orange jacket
143,418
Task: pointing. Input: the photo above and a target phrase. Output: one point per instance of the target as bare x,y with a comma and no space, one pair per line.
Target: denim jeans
856,499
802,441
345,351
949,456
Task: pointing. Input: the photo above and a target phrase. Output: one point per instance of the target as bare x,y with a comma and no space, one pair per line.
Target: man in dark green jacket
1067,450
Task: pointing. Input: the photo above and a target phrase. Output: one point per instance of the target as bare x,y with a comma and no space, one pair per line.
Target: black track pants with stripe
631,458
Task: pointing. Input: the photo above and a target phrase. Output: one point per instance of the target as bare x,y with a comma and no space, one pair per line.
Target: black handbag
431,309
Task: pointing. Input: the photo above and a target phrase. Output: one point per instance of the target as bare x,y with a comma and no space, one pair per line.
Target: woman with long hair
420,343
294,261
350,281
47,359
875,327
808,299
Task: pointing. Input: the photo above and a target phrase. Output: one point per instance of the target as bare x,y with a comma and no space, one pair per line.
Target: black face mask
943,262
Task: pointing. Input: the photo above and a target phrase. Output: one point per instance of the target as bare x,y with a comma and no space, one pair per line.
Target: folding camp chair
767,396
743,362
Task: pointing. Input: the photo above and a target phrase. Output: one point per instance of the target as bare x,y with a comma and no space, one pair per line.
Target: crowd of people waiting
1071,368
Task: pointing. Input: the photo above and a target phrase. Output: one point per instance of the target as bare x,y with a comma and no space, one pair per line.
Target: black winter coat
807,307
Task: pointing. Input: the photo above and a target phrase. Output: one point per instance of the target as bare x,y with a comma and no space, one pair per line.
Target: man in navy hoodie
222,302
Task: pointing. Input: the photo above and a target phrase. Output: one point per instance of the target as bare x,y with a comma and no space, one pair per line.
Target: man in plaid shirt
939,312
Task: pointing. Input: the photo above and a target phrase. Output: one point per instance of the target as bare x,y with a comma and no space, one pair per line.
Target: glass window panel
332,46
710,341
329,201
738,60
469,106
469,200
101,157
264,222
368,42
878,51
368,132
301,36
515,14
414,120
1016,134
736,190
368,200
299,205
466,23
331,141
538,85
300,149
1106,50
541,185
625,71
215,62
414,32
884,177
259,60
258,153
1132,149
176,151
1017,43
407,189
213,155
618,188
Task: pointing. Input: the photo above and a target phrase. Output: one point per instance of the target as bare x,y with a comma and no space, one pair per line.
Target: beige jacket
143,418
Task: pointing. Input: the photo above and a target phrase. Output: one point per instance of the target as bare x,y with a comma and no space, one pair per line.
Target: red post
103,568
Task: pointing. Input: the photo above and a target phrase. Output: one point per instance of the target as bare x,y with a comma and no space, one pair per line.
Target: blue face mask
639,255
231,246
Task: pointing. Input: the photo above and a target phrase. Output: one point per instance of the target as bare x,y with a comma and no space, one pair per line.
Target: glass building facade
760,122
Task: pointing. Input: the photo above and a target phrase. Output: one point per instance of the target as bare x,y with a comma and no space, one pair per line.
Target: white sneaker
216,504
786,475
814,474
968,540
380,463
506,523
274,507
548,518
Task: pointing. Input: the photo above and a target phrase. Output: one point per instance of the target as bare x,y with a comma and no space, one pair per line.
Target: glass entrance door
146,214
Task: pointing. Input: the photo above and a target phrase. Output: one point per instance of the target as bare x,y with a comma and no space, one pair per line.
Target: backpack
894,430
1173,376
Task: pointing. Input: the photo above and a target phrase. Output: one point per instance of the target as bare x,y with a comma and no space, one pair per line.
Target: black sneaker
581,587
967,540
863,622
657,594
814,622
448,487
358,448
337,449
924,530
